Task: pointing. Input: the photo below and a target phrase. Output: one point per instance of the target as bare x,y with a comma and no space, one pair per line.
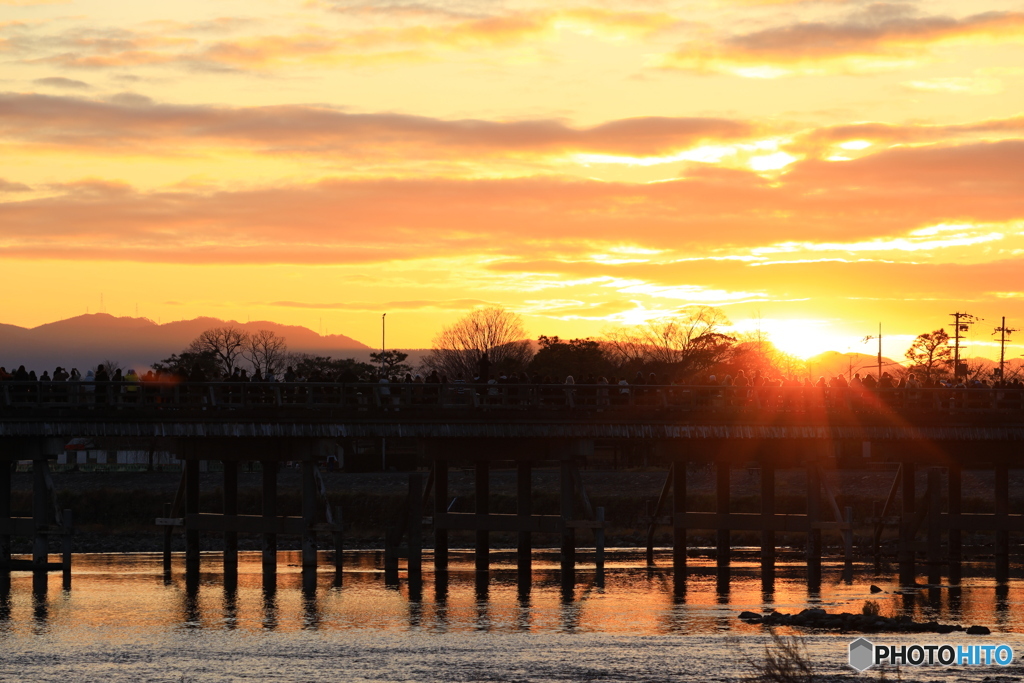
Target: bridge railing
212,396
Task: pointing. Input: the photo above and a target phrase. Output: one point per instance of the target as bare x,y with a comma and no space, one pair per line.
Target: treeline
690,347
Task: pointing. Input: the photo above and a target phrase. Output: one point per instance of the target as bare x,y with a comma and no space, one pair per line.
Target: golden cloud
877,39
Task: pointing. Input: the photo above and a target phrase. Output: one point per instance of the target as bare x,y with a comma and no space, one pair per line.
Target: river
124,620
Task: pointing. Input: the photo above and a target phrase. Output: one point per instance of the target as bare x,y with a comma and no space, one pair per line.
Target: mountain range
87,340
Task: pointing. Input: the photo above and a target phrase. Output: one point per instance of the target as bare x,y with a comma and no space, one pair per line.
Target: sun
800,337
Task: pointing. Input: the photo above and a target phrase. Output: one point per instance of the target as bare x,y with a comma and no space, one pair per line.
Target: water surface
123,619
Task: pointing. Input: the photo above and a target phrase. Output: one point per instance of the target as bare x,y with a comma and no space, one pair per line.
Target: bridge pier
46,520
723,548
268,524
191,508
768,533
309,516
269,508
678,474
482,494
568,555
813,530
905,551
6,467
723,521
524,523
230,509
1002,544
524,493
954,488
440,508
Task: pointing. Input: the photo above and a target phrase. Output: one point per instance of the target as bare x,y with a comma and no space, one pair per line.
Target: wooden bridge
814,429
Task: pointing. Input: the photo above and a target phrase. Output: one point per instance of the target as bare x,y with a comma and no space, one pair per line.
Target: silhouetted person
102,384
484,367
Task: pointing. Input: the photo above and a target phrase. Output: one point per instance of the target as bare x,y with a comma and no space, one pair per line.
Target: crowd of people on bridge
761,391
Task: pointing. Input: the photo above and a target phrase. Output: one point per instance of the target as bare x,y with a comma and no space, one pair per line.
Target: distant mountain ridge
85,340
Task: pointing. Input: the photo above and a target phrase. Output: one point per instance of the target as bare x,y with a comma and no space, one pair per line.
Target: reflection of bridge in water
815,430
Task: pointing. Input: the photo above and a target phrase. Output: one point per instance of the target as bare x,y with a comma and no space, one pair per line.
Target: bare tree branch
499,333
226,343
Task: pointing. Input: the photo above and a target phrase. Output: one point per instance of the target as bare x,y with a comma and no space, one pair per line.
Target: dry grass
871,608
785,661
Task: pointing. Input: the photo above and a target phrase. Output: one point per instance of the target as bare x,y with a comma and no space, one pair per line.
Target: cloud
132,122
883,36
426,36
61,82
875,205
414,305
8,186
957,85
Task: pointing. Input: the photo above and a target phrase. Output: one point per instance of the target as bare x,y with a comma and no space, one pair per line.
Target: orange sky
814,168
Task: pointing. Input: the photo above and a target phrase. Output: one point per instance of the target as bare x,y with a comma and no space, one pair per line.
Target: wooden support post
173,510
847,533
339,546
599,546
880,522
415,528
191,508
568,533
5,513
230,510
652,526
440,507
483,495
767,512
524,493
167,540
908,574
934,542
392,539
1002,491
40,518
678,508
813,517
955,495
724,547
269,468
67,522
848,545
308,516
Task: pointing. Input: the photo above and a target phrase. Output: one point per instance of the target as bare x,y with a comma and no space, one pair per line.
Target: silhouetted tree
576,357
265,351
391,363
187,365
681,347
226,343
329,369
930,355
494,330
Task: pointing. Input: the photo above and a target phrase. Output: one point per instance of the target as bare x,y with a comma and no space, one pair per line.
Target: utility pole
1003,331
961,323
382,345
868,338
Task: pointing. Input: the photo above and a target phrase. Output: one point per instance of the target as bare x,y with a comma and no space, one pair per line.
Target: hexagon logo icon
862,654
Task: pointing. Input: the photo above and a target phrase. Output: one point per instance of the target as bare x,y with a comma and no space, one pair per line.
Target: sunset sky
814,168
